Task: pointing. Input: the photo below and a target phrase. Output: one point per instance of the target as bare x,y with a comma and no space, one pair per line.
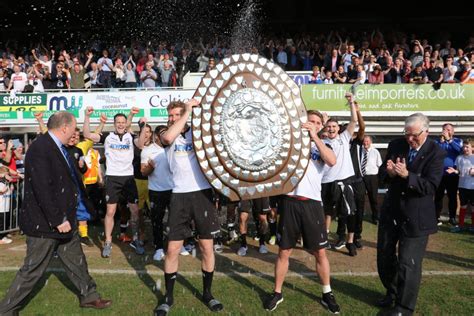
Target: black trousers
353,222
39,252
400,273
159,202
450,184
372,185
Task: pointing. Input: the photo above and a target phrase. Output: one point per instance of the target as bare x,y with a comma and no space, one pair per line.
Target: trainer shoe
242,251
456,229
5,241
339,244
329,301
263,249
352,249
159,255
272,303
184,252
272,240
107,250
218,247
124,238
189,247
138,246
440,223
358,244
86,241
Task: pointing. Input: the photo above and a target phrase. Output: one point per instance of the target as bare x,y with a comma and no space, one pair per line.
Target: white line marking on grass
241,274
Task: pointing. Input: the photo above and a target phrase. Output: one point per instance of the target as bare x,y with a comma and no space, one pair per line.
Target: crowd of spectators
354,58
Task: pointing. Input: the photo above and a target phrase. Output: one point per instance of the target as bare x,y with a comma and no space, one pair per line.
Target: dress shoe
385,301
97,304
398,311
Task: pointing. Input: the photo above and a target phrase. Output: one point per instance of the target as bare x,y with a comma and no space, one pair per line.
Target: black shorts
466,196
275,201
258,206
197,206
301,218
118,188
328,195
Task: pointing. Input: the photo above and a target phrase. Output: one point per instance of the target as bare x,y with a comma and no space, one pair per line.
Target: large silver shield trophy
247,133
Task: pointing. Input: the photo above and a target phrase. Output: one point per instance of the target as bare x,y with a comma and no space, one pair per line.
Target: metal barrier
10,203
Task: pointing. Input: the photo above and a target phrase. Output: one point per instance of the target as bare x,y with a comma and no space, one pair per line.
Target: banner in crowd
152,104
398,99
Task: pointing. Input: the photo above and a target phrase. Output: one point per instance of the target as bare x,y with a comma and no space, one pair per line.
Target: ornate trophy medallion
247,133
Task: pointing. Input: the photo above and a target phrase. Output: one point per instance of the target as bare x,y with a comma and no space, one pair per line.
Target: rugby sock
123,228
243,240
462,216
326,288
170,280
207,284
273,227
83,230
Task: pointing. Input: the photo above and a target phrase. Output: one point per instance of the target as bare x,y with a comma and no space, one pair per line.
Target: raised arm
353,122
86,128
361,122
140,142
89,59
133,111
39,118
174,130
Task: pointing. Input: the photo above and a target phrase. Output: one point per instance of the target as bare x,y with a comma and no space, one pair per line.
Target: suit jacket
51,195
410,202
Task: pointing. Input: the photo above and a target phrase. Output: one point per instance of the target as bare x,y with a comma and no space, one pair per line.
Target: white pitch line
241,274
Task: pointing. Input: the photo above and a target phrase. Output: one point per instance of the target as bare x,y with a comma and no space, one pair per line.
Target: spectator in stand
78,72
407,69
333,61
35,78
166,72
308,60
183,65
464,167
294,60
119,70
315,76
94,75
106,69
449,70
435,73
328,77
148,76
18,80
60,77
282,57
417,56
468,74
5,201
449,183
130,73
369,67
361,75
427,63
418,75
347,57
446,50
376,76
203,61
44,60
4,80
340,76
7,156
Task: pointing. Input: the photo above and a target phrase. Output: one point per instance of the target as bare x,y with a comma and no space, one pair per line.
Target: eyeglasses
413,135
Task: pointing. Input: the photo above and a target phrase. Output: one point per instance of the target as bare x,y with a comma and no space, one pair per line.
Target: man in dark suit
414,168
53,191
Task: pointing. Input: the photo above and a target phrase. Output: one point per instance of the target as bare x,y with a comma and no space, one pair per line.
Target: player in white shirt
301,214
337,193
154,164
191,200
118,147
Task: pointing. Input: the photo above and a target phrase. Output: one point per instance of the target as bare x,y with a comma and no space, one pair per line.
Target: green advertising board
23,102
390,97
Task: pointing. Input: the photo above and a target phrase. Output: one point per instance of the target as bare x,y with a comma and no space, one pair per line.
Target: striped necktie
363,164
